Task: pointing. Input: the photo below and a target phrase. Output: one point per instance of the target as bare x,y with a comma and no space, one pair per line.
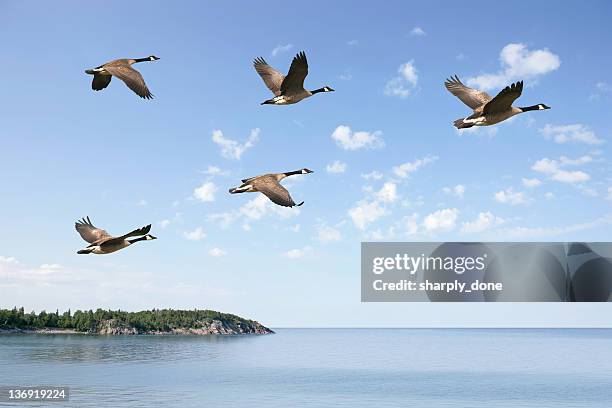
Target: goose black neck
131,241
293,173
530,108
142,59
317,91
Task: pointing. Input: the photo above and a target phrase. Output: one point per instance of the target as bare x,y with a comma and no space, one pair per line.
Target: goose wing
271,77
89,232
294,81
503,100
136,233
272,189
100,82
470,96
132,78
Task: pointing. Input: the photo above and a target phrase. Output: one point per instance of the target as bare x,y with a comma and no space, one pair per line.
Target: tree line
90,321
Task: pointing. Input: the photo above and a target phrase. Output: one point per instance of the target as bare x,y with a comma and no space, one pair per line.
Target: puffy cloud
214,171
576,133
217,252
253,210
232,149
517,62
509,196
336,167
366,212
281,49
537,232
483,222
349,140
8,260
206,192
403,84
404,170
388,193
327,234
418,31
441,220
164,223
195,235
373,175
296,253
458,190
554,170
531,182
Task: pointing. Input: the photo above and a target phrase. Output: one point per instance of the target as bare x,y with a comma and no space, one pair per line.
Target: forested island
156,321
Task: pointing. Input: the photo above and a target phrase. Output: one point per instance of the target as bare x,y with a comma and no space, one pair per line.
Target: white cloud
214,171
366,212
576,133
164,223
348,140
216,252
537,232
231,149
517,63
388,193
483,222
441,220
8,260
509,196
549,195
296,253
206,192
404,170
571,177
373,175
403,84
327,234
142,203
195,235
418,31
608,197
253,210
281,49
261,206
575,162
553,169
336,167
458,190
531,182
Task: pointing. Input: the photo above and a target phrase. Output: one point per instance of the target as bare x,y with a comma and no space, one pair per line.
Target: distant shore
108,322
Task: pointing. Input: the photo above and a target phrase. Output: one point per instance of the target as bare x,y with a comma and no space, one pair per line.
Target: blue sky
388,163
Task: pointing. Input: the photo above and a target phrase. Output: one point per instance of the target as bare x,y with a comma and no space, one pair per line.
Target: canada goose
286,89
122,69
487,110
269,185
101,241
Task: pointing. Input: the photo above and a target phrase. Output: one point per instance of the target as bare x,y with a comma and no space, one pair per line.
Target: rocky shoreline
215,327
119,322
114,328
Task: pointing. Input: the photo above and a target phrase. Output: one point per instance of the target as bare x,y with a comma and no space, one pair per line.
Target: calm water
321,368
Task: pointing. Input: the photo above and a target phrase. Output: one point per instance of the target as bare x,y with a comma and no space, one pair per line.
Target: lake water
320,368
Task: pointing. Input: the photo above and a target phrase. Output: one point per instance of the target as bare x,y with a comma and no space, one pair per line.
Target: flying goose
286,89
269,185
122,69
101,242
487,110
